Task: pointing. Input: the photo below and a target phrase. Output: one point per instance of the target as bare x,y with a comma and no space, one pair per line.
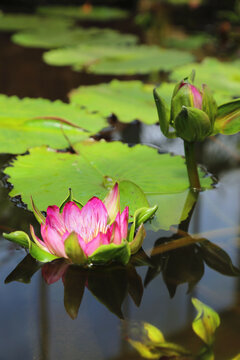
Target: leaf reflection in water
108,284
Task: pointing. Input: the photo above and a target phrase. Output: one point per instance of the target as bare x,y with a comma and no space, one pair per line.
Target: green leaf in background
54,37
228,118
206,322
118,60
15,22
47,175
128,100
98,13
24,124
222,77
187,42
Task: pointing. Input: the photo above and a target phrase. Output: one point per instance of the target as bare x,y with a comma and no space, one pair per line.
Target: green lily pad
118,60
55,37
24,124
223,78
189,42
46,175
98,13
15,22
128,100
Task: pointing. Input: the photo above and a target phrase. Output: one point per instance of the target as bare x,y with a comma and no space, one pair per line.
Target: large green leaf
46,175
24,124
117,60
98,13
128,100
55,37
221,77
14,22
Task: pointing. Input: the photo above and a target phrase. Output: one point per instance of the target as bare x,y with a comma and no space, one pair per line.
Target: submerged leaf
206,322
217,259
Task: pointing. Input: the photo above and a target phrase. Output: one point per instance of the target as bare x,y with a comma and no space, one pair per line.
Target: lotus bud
192,124
187,95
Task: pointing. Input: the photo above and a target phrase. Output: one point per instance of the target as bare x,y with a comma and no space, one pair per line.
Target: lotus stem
192,166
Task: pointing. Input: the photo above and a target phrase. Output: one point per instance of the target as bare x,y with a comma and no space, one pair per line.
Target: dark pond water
34,321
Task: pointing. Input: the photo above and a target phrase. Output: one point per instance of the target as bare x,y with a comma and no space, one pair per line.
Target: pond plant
194,115
96,233
150,342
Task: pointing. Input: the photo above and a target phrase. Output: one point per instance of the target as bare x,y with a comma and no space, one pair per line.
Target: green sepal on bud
209,105
192,124
163,115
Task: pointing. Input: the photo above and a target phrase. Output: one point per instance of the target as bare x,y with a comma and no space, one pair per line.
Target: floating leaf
26,123
228,118
217,259
128,100
14,22
46,175
221,77
187,42
44,37
98,13
117,60
206,322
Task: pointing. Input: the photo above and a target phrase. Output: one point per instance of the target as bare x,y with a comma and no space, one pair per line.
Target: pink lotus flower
97,223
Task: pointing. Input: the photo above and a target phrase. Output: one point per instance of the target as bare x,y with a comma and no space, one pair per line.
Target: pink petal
116,237
124,222
55,219
38,241
53,240
100,239
93,219
53,271
112,203
197,97
71,217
